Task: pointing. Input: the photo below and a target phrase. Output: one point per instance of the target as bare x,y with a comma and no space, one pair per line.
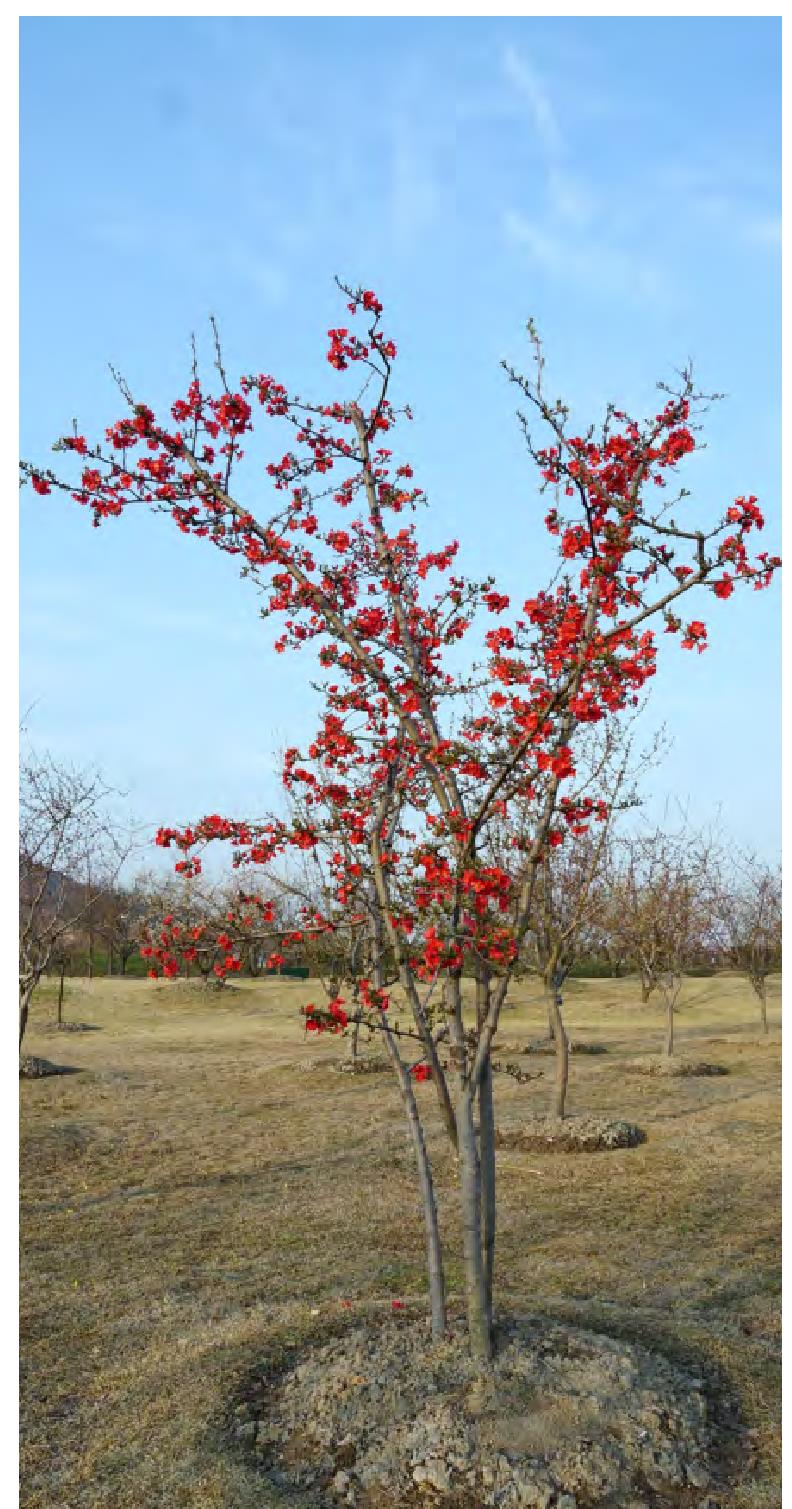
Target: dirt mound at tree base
31,1067
676,1068
381,1416
546,1045
361,1066
575,1134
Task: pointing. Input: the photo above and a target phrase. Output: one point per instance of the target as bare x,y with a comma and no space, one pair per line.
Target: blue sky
618,180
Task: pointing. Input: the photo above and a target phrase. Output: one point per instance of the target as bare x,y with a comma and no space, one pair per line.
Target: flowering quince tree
217,944
416,761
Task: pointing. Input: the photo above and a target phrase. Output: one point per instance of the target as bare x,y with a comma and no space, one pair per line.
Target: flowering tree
214,935
441,754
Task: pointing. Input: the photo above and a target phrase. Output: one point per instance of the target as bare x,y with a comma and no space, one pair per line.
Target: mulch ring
675,1068
361,1065
573,1134
379,1417
39,1068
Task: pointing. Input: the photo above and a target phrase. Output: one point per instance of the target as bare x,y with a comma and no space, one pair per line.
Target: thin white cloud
587,262
528,82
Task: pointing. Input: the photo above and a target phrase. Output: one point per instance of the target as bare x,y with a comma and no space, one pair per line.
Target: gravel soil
564,1419
575,1134
677,1068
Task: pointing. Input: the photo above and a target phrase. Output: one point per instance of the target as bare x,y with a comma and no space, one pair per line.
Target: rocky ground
575,1134
565,1418
676,1068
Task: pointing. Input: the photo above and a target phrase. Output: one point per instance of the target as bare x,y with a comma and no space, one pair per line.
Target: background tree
67,836
748,922
661,909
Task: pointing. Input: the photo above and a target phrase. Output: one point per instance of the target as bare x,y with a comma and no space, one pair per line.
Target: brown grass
190,1198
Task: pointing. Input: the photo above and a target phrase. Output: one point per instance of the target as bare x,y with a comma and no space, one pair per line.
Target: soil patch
546,1046
381,1416
677,1068
362,1066
575,1134
31,1067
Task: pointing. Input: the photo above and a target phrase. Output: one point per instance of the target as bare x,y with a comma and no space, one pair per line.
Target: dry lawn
190,1198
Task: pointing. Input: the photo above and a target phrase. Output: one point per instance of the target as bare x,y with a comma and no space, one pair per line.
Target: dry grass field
191,1198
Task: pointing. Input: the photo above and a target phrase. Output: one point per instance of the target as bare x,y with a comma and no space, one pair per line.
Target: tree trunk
551,1027
669,1041
561,1055
353,1041
646,988
90,956
434,1254
60,992
762,994
487,1156
110,958
478,1309
24,1010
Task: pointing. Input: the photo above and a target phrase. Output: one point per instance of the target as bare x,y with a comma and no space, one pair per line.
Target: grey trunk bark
669,1040
24,1011
478,1310
60,994
434,1254
487,1155
561,1056
353,1041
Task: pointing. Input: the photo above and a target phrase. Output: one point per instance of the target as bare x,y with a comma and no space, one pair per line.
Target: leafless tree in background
749,922
661,908
67,838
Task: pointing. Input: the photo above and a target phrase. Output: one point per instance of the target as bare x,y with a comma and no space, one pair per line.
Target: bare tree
749,923
661,909
67,836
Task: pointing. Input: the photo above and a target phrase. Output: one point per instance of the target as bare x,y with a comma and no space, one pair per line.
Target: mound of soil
76,1027
39,1068
677,1068
546,1045
575,1134
361,1066
381,1416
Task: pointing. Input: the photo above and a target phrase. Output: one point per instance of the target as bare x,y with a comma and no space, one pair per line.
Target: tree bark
762,994
60,992
561,1055
353,1041
434,1254
487,1155
478,1310
24,1010
669,1040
